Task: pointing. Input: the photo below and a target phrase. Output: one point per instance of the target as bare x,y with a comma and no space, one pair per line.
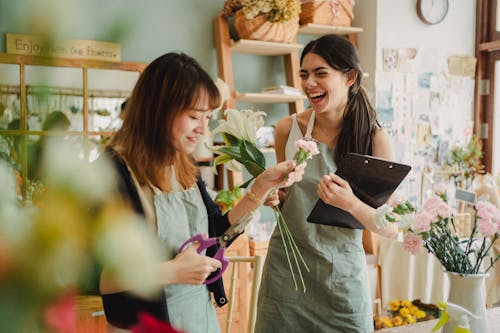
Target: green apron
337,297
181,215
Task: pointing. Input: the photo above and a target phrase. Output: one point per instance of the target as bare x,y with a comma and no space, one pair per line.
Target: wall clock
432,11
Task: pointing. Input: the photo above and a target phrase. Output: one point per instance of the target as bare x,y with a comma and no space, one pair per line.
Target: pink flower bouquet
434,228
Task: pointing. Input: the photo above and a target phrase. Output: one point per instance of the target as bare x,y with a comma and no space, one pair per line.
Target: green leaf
245,184
253,168
229,139
233,152
221,159
252,153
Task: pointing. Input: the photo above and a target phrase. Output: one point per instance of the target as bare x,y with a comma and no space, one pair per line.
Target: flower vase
469,292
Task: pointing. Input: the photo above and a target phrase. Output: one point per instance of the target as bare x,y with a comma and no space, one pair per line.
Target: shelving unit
225,46
23,90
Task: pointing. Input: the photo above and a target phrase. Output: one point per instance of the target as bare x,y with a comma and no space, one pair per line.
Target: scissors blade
235,229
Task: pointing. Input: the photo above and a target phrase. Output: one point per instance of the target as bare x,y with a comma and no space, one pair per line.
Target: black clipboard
372,180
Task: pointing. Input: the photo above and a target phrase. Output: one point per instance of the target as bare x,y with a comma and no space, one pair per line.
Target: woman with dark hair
166,113
342,120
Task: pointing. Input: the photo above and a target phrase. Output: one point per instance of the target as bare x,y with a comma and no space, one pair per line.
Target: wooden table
426,326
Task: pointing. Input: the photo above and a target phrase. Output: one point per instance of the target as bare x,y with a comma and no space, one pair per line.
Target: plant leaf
252,153
229,139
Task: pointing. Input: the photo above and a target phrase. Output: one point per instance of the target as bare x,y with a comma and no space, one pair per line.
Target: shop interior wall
147,29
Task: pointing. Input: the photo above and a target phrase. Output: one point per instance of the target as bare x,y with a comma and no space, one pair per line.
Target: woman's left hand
335,191
282,174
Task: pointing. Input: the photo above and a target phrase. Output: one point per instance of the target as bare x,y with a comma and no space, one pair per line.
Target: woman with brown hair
341,120
167,112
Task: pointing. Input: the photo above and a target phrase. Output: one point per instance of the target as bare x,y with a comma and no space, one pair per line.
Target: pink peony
422,222
412,243
61,315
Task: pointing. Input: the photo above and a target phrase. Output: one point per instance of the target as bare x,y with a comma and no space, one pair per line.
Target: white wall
395,24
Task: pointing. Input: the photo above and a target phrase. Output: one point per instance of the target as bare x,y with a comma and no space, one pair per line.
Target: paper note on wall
462,65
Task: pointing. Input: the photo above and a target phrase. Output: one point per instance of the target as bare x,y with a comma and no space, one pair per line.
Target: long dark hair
360,119
169,85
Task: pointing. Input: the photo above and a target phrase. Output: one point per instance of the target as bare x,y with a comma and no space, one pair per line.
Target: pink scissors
222,241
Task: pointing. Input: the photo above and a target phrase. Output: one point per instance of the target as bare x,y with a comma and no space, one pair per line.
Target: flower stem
286,249
292,241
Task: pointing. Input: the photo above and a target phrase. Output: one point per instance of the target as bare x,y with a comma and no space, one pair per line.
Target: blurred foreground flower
238,131
149,324
60,245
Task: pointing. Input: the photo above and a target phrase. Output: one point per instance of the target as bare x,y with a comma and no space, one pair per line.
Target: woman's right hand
189,267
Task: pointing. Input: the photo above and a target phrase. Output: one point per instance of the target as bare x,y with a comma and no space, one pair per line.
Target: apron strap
310,126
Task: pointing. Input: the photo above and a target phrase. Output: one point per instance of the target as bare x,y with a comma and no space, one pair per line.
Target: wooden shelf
257,47
320,29
268,98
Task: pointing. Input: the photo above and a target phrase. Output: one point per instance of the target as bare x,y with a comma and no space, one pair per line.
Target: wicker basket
259,28
328,12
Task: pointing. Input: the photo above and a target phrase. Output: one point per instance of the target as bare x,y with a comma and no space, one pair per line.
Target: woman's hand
189,267
272,199
282,174
335,191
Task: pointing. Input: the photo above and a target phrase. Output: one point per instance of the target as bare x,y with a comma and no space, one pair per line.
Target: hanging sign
69,48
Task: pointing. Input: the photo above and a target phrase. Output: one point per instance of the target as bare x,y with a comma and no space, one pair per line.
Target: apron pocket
350,294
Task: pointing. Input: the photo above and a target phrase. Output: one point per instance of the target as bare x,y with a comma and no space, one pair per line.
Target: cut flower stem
289,242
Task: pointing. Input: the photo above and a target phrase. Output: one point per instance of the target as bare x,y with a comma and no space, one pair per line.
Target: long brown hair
169,85
360,119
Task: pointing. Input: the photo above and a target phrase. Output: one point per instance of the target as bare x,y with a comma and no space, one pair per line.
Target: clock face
432,11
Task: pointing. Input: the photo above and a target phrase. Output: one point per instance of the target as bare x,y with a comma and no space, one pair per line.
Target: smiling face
326,88
190,124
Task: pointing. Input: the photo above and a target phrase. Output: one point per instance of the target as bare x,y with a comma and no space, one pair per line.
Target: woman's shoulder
284,125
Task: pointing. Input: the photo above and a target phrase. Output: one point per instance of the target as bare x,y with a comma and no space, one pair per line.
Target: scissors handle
219,255
205,243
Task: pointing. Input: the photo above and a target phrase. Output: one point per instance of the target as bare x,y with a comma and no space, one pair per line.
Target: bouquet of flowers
404,312
238,131
434,227
464,163
52,251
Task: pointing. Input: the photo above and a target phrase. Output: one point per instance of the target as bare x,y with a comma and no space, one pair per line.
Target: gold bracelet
253,197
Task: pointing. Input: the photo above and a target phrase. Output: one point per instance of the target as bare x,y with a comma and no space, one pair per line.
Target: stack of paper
282,89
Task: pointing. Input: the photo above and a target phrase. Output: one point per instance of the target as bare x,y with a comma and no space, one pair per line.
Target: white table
426,326
405,276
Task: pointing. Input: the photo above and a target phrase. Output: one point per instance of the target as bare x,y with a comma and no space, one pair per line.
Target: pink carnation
422,222
444,210
487,226
412,243
307,145
431,207
487,210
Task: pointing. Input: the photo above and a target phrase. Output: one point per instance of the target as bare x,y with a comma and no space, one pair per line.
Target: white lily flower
242,124
224,96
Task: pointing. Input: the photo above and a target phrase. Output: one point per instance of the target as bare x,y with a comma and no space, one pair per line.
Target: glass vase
469,292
